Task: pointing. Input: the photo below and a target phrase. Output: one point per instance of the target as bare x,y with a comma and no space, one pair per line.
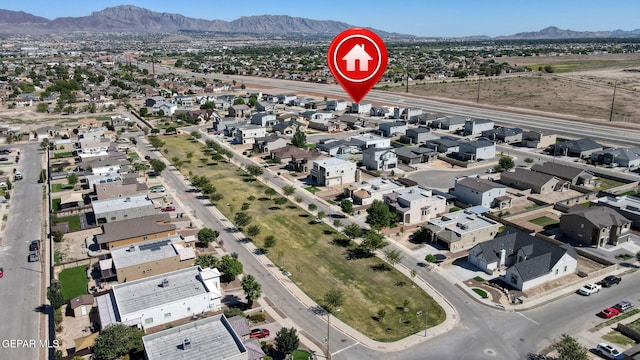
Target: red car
259,333
1,272
609,312
168,208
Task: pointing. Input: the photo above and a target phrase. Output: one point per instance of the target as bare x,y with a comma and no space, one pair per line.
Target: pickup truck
589,289
610,280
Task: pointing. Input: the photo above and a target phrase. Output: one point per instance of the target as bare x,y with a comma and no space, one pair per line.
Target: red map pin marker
357,58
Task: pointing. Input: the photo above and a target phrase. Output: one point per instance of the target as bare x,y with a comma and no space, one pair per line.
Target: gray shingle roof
599,216
559,170
131,228
479,184
526,177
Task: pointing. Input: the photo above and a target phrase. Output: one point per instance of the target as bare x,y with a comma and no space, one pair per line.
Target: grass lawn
60,187
310,252
300,355
55,203
483,294
544,221
74,222
73,282
312,189
616,337
63,154
605,184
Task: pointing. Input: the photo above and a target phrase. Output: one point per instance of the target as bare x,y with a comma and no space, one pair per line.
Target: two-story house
393,128
474,190
595,226
415,204
333,171
382,159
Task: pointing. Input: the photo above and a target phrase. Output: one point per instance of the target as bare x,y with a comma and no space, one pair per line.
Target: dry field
581,86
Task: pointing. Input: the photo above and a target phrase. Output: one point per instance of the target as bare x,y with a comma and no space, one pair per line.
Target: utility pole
478,95
613,100
406,71
426,317
328,327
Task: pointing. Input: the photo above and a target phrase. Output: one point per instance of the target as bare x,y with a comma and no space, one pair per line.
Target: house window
565,268
556,271
167,315
514,278
145,237
148,321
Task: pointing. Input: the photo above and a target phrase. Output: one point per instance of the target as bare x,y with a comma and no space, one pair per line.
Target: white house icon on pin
357,53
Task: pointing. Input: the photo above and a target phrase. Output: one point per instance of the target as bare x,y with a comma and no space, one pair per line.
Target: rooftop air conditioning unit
165,282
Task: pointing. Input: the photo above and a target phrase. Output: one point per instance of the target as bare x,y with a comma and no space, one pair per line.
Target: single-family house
168,109
595,226
269,143
288,128
89,123
122,208
120,122
265,106
415,204
480,149
336,147
361,108
380,111
365,192
574,175
148,258
451,124
247,134
412,155
474,190
239,111
297,159
581,148
477,126
418,135
162,298
504,135
366,141
264,119
538,139
382,159
527,261
391,129
461,230
286,99
622,157
210,338
333,171
131,231
184,100
352,122
336,105
627,206
538,183
406,113
94,180
444,145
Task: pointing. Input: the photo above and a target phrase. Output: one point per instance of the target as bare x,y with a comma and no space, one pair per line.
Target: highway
20,288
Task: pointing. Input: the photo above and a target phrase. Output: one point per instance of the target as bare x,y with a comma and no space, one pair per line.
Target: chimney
503,256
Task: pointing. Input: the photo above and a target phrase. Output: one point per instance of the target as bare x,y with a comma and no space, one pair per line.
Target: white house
336,105
366,141
527,261
264,119
477,126
474,190
168,109
247,134
122,208
477,150
393,128
382,159
162,298
365,192
415,204
333,171
361,108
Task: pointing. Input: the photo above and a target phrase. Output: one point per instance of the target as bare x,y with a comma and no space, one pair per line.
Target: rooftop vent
165,282
186,344
131,248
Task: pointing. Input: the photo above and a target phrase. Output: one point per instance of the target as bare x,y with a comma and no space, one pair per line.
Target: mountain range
132,19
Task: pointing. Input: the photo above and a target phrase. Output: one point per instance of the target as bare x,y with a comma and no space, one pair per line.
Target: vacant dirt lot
582,87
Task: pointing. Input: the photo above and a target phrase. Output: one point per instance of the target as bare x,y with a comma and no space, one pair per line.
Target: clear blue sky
417,17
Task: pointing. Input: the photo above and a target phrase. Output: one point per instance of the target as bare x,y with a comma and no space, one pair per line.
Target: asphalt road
20,288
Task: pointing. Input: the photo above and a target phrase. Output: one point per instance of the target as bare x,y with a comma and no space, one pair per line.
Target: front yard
314,254
73,282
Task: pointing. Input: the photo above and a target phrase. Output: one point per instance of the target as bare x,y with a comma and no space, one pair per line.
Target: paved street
20,288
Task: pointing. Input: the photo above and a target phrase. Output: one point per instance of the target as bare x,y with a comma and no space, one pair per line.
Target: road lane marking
346,348
528,318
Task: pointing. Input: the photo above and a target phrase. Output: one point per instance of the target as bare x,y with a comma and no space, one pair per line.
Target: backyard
73,282
314,253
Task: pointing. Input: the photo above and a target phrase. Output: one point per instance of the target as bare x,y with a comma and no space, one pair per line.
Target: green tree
393,257
378,215
506,162
252,289
255,170
313,207
299,139
58,236
155,141
42,107
430,258
143,111
230,268
289,190
207,261
269,242
195,134
333,299
140,167
528,160
207,235
569,348
116,341
55,296
353,231
157,165
321,215
170,130
44,144
347,206
270,192
373,241
72,179
242,219
381,314
253,230
286,340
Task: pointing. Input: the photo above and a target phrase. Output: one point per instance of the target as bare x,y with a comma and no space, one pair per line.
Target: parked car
609,351
610,280
589,289
490,171
609,312
156,189
168,208
5,151
33,256
35,245
4,159
259,333
1,272
623,306
18,175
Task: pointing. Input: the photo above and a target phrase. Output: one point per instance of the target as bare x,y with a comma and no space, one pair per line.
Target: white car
609,351
589,289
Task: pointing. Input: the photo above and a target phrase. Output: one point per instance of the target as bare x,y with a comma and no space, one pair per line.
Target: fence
566,204
72,264
629,332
